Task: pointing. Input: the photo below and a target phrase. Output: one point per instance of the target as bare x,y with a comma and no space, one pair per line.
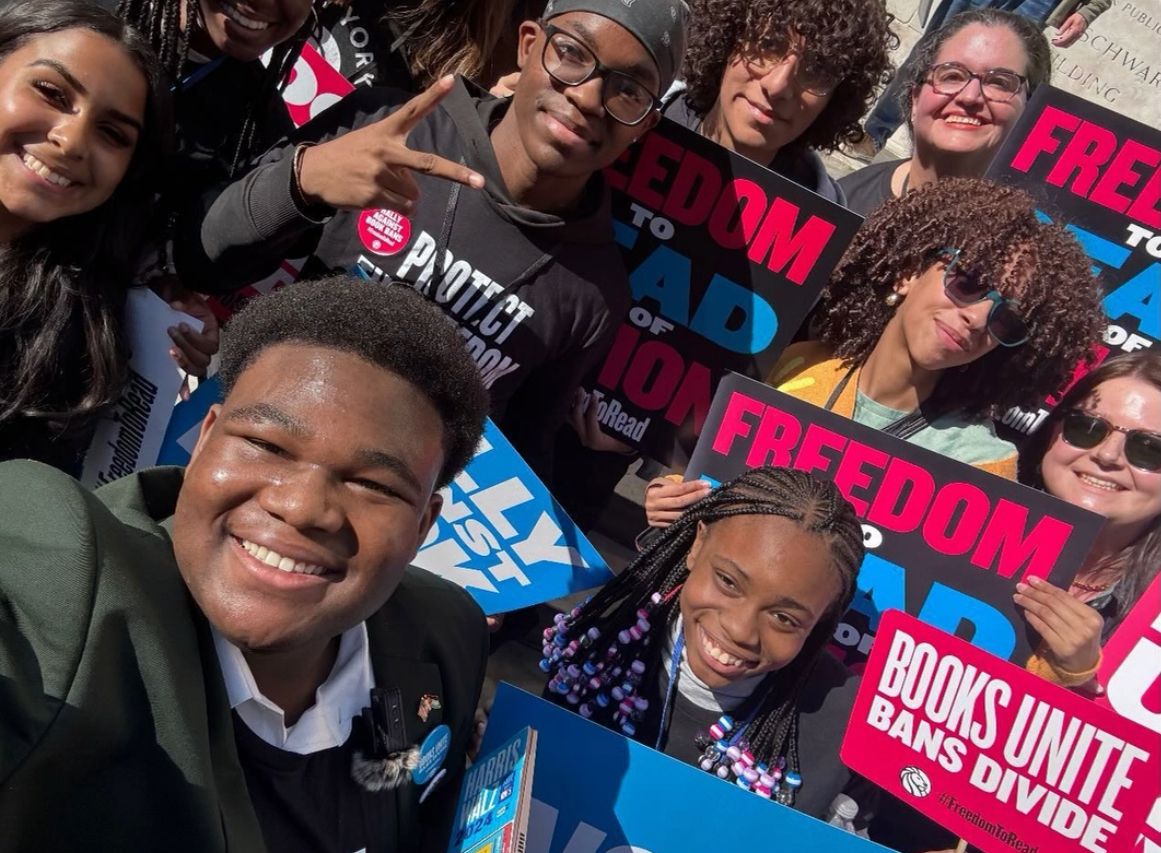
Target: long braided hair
160,21
650,584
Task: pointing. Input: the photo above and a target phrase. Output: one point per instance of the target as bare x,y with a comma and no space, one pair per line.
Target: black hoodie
537,296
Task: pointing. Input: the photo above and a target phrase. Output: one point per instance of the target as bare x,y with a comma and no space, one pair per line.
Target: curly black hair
390,326
845,40
1038,72
1037,263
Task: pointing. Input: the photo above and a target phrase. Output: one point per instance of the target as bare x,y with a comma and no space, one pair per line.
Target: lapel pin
428,702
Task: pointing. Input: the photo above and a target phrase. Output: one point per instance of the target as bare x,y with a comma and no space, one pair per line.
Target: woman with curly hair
775,78
711,645
966,86
951,306
1100,448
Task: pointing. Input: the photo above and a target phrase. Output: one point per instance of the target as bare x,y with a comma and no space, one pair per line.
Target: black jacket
537,297
115,728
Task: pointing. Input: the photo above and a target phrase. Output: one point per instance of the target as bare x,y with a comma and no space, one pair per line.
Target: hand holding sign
666,499
1069,627
371,167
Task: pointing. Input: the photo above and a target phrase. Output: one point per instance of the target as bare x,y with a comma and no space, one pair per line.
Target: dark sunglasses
1084,431
963,287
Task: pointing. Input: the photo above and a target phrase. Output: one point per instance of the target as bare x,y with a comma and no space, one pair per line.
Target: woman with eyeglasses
969,83
1100,449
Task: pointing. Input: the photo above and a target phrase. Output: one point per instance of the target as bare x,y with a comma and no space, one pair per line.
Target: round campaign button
384,231
432,753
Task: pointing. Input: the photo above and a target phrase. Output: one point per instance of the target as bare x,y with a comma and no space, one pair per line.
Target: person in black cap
494,209
236,656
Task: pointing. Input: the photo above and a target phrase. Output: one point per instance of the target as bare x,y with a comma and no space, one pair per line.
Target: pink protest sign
1000,757
1131,675
314,85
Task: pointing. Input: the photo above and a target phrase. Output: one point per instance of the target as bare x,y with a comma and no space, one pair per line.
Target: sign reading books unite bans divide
945,542
997,755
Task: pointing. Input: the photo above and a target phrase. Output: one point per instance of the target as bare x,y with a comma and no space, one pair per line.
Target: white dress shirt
338,700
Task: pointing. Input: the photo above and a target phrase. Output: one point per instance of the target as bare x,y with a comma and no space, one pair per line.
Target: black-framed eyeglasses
997,84
1085,431
963,287
568,61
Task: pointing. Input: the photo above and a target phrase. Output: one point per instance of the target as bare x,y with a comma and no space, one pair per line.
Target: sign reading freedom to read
945,541
1000,757
725,259
1100,172
500,534
595,791
1131,675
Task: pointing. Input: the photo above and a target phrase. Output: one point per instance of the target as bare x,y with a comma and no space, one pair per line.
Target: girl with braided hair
228,108
710,645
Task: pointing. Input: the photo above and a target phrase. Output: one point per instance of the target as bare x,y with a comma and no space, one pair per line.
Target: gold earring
893,299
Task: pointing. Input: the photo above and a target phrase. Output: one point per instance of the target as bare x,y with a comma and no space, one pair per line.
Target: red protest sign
1000,757
1131,675
314,85
1131,662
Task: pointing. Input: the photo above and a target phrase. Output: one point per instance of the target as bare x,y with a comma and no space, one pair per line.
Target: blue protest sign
186,421
503,538
595,791
501,535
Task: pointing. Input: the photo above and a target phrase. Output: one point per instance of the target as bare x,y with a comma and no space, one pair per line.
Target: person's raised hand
1070,628
371,167
666,499
1070,30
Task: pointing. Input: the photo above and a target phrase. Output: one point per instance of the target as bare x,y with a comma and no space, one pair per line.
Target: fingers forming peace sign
371,167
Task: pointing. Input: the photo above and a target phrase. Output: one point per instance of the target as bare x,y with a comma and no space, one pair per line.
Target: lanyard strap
671,694
903,427
671,690
838,389
197,76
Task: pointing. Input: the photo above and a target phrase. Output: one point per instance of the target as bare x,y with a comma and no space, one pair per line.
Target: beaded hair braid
599,679
160,22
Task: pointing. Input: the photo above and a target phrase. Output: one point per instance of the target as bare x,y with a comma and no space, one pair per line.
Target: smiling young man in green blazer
185,656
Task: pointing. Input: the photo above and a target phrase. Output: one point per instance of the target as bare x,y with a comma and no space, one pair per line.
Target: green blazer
115,730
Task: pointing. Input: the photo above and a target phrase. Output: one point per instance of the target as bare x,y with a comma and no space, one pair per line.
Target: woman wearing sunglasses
1100,449
950,306
967,85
